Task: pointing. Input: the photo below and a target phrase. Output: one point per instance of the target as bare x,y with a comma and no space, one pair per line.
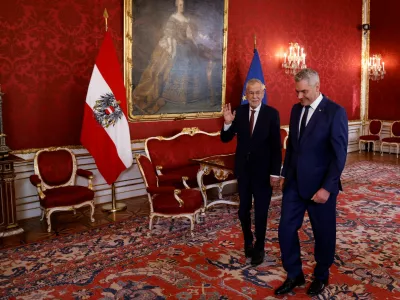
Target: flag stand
114,206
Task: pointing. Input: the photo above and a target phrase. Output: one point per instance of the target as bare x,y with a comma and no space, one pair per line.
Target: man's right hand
228,115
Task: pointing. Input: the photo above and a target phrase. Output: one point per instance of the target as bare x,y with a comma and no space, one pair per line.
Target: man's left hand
274,181
321,196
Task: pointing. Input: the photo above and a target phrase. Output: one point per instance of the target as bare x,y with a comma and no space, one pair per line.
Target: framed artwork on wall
175,58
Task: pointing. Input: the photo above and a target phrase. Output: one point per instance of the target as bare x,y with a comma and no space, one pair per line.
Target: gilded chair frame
361,141
390,144
193,217
41,187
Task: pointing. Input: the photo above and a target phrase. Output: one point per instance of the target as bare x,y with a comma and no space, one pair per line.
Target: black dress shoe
316,287
290,284
258,257
248,251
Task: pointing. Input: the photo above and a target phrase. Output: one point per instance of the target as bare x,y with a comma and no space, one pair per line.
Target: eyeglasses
257,93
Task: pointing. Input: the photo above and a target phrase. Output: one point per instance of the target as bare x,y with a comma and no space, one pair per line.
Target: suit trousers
323,223
251,186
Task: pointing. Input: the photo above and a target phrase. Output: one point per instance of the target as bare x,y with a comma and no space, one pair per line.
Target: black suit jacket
261,152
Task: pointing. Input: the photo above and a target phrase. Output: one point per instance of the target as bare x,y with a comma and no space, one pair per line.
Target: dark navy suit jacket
317,161
261,152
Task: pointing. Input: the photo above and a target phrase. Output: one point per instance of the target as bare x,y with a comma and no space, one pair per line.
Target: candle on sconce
383,66
284,55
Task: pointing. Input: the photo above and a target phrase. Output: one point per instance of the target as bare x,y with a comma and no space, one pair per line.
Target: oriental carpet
124,261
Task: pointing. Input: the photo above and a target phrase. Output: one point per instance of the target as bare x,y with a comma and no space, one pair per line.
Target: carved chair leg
91,212
381,149
151,222
191,225
359,146
373,147
41,219
48,215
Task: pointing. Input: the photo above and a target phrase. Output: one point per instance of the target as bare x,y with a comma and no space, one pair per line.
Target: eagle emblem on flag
107,110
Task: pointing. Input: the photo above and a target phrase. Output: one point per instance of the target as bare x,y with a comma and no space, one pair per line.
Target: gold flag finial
105,15
255,42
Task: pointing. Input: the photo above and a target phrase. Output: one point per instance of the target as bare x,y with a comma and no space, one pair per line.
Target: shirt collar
257,109
317,101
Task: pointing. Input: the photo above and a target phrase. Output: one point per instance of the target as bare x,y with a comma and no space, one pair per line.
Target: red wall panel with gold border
384,95
48,48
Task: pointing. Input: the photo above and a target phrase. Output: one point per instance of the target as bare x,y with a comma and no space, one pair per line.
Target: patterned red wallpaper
48,48
384,95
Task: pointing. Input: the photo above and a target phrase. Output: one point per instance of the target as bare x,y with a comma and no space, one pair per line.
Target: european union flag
255,71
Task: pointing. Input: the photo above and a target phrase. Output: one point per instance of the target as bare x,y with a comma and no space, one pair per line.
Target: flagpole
114,206
105,15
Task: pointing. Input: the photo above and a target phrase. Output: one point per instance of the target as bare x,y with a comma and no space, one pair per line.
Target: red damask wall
48,48
384,95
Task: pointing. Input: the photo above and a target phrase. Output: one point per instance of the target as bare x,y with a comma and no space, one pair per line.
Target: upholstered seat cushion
369,137
66,196
167,204
391,139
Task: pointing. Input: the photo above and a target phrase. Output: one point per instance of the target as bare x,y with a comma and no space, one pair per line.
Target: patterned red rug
122,261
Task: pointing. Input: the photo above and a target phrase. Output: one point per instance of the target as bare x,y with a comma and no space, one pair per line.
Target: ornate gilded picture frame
175,58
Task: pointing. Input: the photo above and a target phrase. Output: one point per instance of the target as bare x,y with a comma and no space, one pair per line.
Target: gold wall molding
365,41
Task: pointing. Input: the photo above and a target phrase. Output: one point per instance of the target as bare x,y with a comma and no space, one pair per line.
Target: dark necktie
252,121
304,121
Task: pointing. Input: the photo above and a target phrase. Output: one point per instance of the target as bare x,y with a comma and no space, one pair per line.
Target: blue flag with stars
255,71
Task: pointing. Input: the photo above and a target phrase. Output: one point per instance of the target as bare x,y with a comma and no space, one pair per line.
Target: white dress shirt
313,107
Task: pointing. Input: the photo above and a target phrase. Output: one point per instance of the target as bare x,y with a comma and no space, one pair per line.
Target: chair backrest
395,129
375,127
55,167
147,170
284,136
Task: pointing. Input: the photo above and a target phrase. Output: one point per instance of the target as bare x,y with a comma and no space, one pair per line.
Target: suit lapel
317,115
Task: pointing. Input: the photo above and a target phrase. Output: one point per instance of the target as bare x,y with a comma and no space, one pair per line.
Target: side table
8,212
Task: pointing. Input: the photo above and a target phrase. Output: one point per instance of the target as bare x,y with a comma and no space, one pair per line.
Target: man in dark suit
315,157
257,162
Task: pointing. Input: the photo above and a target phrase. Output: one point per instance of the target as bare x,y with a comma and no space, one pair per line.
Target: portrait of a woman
179,73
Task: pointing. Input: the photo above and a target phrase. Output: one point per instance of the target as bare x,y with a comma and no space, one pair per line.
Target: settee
173,156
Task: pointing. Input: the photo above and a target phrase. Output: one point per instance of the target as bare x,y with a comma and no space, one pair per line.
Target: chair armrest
166,190
35,180
160,189
87,174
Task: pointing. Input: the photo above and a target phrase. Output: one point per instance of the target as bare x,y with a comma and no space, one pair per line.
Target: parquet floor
65,223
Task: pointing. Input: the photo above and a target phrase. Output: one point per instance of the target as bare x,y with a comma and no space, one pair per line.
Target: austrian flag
105,129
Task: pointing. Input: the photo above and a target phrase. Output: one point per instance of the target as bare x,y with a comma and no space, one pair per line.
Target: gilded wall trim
365,41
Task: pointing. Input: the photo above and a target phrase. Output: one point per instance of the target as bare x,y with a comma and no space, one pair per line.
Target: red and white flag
105,129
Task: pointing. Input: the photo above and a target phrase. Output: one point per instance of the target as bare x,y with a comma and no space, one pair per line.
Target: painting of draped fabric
175,58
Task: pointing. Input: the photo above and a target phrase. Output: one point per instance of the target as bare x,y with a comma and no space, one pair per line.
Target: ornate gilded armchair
394,139
375,127
168,201
54,178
